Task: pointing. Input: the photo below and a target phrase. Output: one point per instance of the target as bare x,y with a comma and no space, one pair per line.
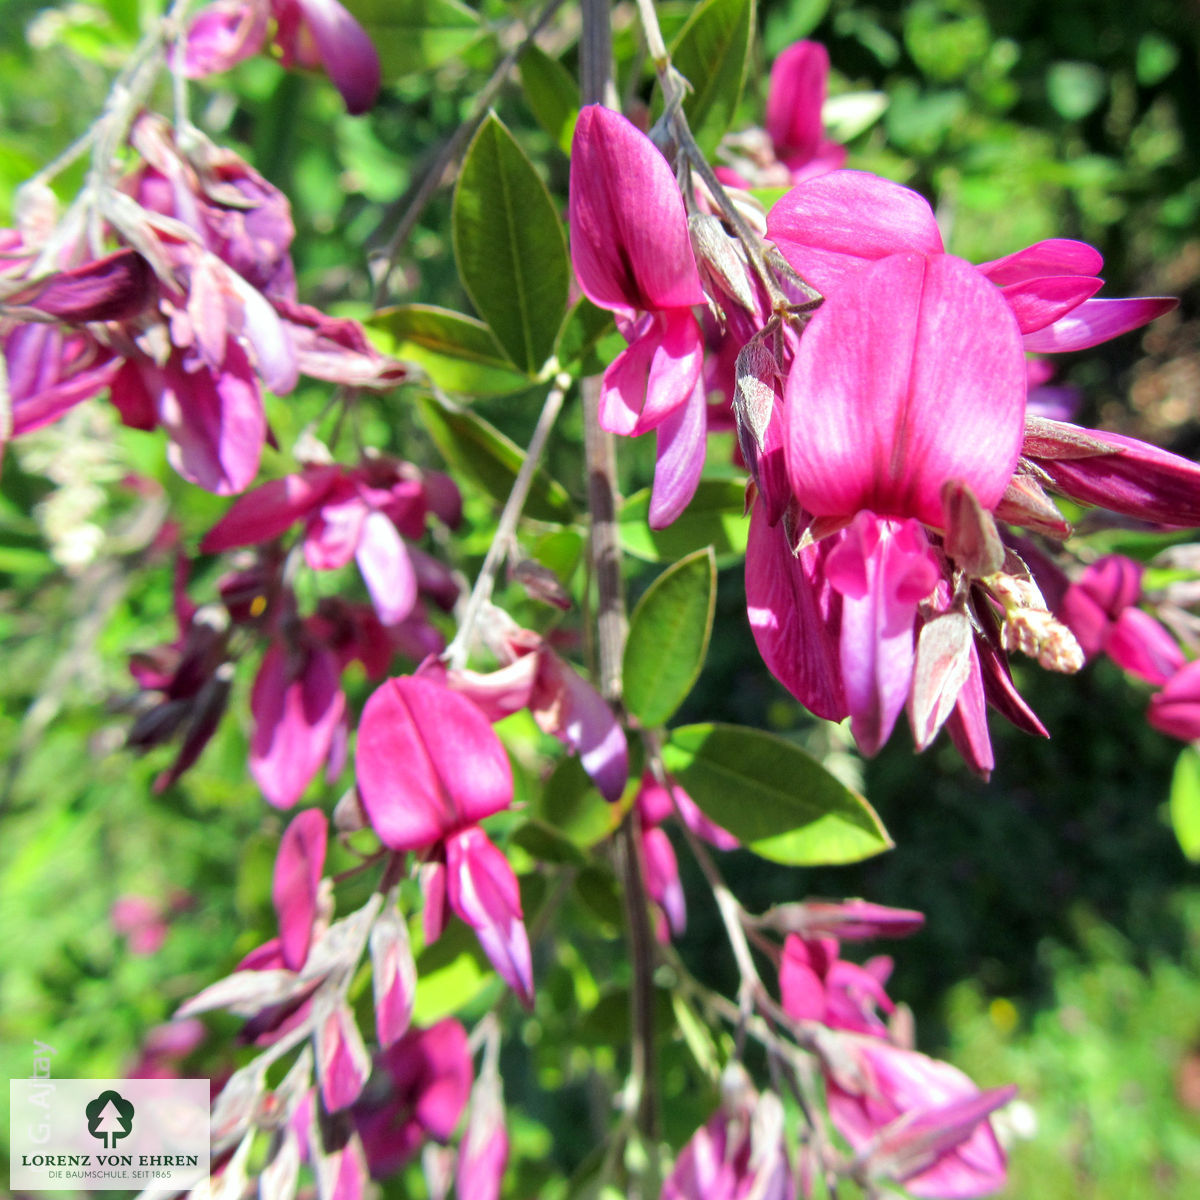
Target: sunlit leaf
1185,802
552,94
714,517
510,246
668,638
417,35
712,52
458,352
772,796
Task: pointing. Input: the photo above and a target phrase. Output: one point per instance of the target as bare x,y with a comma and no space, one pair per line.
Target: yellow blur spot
258,606
1003,1014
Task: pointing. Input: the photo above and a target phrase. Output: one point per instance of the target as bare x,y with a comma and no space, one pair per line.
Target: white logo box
108,1134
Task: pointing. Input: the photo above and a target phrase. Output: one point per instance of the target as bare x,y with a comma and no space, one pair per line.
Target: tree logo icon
109,1118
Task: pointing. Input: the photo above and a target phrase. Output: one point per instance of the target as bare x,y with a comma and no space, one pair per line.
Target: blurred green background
1062,949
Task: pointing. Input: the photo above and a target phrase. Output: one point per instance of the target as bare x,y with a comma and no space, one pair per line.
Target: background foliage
1057,892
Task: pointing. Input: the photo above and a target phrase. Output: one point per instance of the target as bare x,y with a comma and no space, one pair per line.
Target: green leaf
570,804
713,518
452,972
458,353
417,35
585,325
1074,89
510,247
776,799
552,93
712,52
1185,802
546,844
484,455
668,638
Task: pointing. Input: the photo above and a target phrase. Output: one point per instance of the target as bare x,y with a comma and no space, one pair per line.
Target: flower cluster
887,433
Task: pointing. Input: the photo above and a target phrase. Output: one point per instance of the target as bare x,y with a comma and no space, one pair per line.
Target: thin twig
413,203
459,649
674,92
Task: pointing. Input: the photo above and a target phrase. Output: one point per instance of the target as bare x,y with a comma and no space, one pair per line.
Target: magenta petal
1137,479
432,1073
663,885
215,421
116,287
588,726
347,53
386,569
297,704
295,883
967,724
483,1153
333,533
935,391
830,226
629,234
795,617
1176,709
1055,256
877,650
1097,321
336,348
655,376
1037,303
393,975
902,1083
1097,598
266,334
270,510
428,763
222,35
916,1143
482,889
342,1060
794,100
1139,644
50,370
680,459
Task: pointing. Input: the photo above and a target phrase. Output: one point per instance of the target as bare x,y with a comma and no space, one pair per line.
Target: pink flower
793,146
915,1121
817,985
739,1153
873,437
1112,471
830,226
632,255
533,676
140,921
794,102
426,1079
298,709
296,882
1100,607
429,769
362,513
654,805
428,764
483,1152
321,33
309,33
1176,709
482,890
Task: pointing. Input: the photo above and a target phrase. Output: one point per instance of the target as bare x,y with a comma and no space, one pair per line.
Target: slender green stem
459,650
413,203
